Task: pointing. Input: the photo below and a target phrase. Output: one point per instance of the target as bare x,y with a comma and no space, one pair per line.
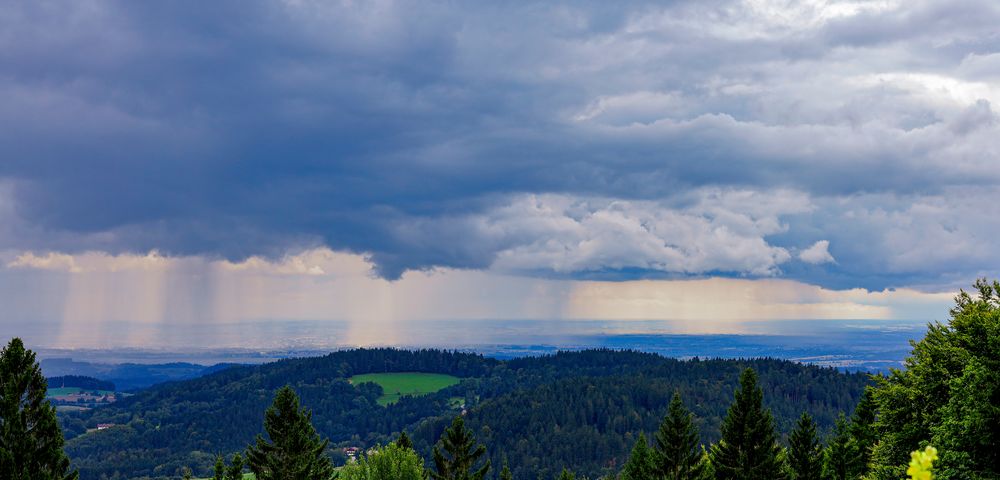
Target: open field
395,385
63,391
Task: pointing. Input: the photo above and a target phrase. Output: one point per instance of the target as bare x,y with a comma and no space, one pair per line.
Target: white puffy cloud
720,231
818,253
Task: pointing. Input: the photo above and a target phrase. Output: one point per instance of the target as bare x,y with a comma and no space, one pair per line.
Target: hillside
582,406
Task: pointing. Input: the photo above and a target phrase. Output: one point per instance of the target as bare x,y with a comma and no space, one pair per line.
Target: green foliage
748,449
460,455
566,475
219,469
805,456
598,398
948,395
391,462
295,451
840,459
641,464
862,430
235,469
404,441
505,472
677,456
31,443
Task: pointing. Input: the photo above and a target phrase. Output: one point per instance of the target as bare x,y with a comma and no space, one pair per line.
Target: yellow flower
921,464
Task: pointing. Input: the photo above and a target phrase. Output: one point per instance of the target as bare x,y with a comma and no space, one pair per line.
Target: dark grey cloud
525,136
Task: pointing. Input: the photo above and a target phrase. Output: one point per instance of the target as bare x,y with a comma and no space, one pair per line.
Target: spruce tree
677,455
505,472
748,449
31,443
295,451
404,441
220,469
840,457
460,455
566,475
640,464
862,430
805,455
235,470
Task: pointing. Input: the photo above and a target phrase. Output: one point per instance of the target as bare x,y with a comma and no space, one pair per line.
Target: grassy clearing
62,391
395,385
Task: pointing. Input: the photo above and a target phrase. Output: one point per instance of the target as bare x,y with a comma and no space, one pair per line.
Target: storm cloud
840,143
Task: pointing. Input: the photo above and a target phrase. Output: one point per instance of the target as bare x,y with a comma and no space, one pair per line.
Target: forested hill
580,408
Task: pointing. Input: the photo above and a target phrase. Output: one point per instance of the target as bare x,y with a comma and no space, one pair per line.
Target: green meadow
395,385
61,391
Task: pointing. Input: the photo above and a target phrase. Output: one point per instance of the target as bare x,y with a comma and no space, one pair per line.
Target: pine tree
186,474
641,464
31,443
862,430
804,453
505,473
840,457
748,449
677,455
566,475
460,455
404,441
220,468
295,451
235,470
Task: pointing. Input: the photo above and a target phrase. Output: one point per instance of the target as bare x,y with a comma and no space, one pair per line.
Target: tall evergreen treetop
840,459
640,464
677,455
748,449
505,472
235,469
805,455
460,455
295,451
31,443
404,441
862,429
566,475
219,471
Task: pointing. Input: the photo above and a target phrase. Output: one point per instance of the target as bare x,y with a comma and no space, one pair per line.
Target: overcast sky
843,147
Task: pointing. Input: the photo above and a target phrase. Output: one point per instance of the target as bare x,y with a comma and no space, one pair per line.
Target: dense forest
79,381
590,414
600,397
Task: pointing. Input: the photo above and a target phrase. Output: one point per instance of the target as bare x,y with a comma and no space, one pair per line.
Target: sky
696,161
